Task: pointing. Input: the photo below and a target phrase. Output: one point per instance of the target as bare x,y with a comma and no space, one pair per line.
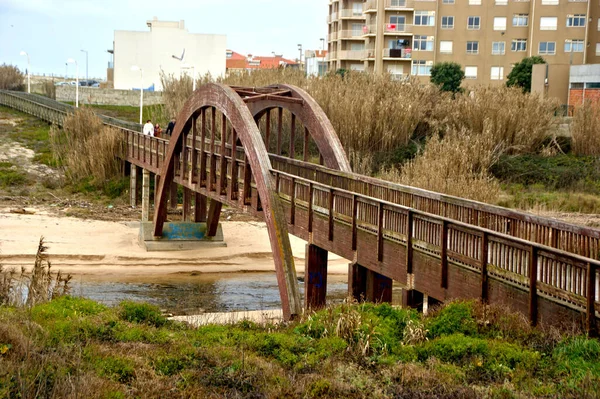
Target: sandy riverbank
103,250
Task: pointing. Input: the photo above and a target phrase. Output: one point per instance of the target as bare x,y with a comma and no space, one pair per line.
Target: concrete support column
187,204
173,196
145,195
133,186
315,277
156,182
357,281
412,299
379,288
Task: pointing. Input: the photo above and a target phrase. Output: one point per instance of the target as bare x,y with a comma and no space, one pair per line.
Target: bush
11,78
520,75
142,313
456,317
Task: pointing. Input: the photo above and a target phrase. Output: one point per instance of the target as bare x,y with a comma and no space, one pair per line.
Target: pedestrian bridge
251,149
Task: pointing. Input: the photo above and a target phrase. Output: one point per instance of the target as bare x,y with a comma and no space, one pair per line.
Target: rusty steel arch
230,104
301,105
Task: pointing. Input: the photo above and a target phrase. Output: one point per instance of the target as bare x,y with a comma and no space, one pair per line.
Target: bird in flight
179,58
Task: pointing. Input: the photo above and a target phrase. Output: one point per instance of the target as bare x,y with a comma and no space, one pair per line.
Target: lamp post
137,68
300,59
28,71
323,54
87,78
193,68
71,60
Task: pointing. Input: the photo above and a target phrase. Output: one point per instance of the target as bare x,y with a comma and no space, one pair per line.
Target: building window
422,43
448,1
471,72
501,2
499,23
421,67
518,45
498,48
357,9
576,20
474,2
549,2
520,20
472,47
574,45
597,48
447,22
547,48
398,3
473,22
497,73
399,21
446,47
425,18
548,23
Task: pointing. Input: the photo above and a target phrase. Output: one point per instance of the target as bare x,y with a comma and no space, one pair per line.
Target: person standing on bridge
148,128
170,126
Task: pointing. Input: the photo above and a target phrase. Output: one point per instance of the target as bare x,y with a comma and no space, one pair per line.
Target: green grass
350,351
10,176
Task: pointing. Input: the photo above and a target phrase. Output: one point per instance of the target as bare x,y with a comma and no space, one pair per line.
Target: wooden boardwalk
232,146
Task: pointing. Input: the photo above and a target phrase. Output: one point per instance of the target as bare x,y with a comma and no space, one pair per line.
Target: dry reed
86,148
585,130
11,78
456,164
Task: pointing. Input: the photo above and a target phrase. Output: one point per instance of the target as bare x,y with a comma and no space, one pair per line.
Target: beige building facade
487,37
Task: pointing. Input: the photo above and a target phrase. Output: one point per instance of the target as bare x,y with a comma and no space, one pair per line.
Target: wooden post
380,234
187,204
200,208
193,152
305,147
223,164
315,277
354,221
591,301
379,287
310,207
293,202
357,281
330,214
533,261
213,158
173,196
292,151
268,130
279,129
202,179
483,265
444,252
214,213
409,247
133,186
247,190
145,195
233,188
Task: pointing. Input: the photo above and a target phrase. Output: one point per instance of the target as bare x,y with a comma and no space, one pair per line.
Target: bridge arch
243,130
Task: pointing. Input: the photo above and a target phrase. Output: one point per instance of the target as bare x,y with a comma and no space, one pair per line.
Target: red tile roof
238,61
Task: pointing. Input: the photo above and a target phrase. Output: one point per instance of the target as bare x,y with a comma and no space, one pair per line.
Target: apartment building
487,37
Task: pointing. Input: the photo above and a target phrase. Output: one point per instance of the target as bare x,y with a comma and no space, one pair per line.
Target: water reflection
203,293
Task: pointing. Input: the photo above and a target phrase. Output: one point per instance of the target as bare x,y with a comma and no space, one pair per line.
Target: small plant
142,313
42,285
11,78
520,75
584,128
448,76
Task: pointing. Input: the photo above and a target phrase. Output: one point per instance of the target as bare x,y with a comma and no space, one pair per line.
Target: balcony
393,5
350,34
353,55
331,56
405,53
369,30
370,6
332,37
394,29
351,14
332,17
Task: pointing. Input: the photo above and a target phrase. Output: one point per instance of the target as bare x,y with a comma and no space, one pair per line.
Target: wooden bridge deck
443,246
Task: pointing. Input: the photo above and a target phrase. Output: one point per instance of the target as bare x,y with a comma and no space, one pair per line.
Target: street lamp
28,71
87,78
137,68
300,59
193,68
72,61
323,54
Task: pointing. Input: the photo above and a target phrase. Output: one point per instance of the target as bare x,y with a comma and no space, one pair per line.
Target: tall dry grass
518,122
456,164
86,148
585,129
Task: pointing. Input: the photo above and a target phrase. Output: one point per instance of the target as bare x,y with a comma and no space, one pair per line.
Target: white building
156,50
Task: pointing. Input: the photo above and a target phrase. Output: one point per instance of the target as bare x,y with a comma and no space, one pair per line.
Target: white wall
153,50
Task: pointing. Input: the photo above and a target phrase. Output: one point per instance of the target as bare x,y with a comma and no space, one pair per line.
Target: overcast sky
52,31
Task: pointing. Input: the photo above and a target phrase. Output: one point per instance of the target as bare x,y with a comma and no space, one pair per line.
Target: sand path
107,250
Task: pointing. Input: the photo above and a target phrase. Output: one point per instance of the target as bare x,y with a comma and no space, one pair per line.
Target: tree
520,75
447,76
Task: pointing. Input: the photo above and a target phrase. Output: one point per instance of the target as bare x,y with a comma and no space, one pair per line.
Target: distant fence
97,96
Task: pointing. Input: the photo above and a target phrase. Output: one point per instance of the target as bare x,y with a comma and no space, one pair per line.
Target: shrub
49,89
456,317
584,128
11,78
141,313
520,75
